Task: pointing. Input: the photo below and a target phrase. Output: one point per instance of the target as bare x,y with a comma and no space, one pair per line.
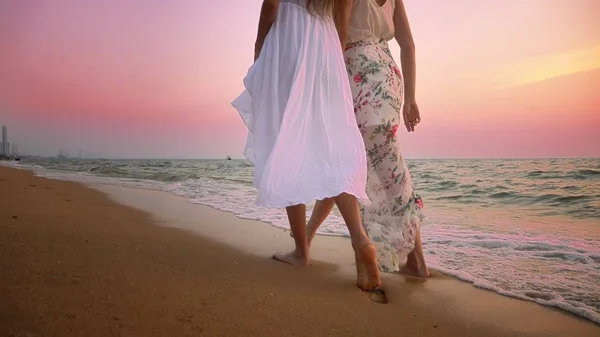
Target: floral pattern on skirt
394,216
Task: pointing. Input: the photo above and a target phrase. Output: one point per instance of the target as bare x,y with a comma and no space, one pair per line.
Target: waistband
367,42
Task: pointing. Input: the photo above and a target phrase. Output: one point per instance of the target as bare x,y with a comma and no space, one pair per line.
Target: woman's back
369,20
297,101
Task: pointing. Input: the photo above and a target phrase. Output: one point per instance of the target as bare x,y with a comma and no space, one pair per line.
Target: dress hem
362,199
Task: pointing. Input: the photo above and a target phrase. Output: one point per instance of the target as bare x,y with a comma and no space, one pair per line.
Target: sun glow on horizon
541,68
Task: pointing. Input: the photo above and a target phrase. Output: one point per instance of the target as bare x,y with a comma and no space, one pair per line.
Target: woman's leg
415,262
300,256
319,214
367,272
368,275
389,176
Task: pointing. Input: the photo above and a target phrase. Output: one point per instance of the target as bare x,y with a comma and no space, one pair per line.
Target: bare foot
294,258
414,268
367,271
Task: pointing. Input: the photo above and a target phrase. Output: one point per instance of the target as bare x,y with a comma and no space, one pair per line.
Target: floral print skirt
394,216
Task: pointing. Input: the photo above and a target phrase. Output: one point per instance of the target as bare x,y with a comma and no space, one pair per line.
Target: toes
283,257
291,259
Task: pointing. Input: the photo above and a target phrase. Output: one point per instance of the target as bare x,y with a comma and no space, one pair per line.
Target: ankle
302,251
360,242
416,260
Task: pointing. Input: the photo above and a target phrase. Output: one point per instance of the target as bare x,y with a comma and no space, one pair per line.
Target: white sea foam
540,268
545,267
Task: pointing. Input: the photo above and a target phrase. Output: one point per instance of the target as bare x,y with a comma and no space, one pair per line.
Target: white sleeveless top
296,2
368,20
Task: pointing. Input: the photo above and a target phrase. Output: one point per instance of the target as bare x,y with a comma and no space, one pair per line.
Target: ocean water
528,229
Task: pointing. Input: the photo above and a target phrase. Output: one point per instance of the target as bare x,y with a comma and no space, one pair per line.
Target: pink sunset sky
155,78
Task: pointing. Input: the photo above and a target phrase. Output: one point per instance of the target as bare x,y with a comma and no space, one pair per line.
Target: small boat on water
228,157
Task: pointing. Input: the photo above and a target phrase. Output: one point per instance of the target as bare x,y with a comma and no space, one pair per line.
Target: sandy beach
112,261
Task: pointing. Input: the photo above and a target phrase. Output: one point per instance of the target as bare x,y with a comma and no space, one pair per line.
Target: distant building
5,144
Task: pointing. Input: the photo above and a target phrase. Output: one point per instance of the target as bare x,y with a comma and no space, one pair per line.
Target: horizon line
242,158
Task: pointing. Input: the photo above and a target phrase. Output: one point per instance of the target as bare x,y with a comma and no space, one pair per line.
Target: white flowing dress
302,134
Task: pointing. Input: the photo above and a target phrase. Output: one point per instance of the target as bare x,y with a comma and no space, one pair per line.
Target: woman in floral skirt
394,217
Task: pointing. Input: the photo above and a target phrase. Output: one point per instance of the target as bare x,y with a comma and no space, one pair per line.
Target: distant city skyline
154,79
7,148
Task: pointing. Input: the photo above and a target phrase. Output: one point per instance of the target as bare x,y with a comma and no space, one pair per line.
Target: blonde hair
323,8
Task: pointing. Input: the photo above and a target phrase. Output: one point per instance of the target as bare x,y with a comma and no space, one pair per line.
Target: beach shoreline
88,261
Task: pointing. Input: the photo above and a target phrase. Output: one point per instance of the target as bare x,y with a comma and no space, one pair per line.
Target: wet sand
78,262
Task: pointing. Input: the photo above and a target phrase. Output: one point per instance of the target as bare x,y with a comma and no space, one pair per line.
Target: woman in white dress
298,106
